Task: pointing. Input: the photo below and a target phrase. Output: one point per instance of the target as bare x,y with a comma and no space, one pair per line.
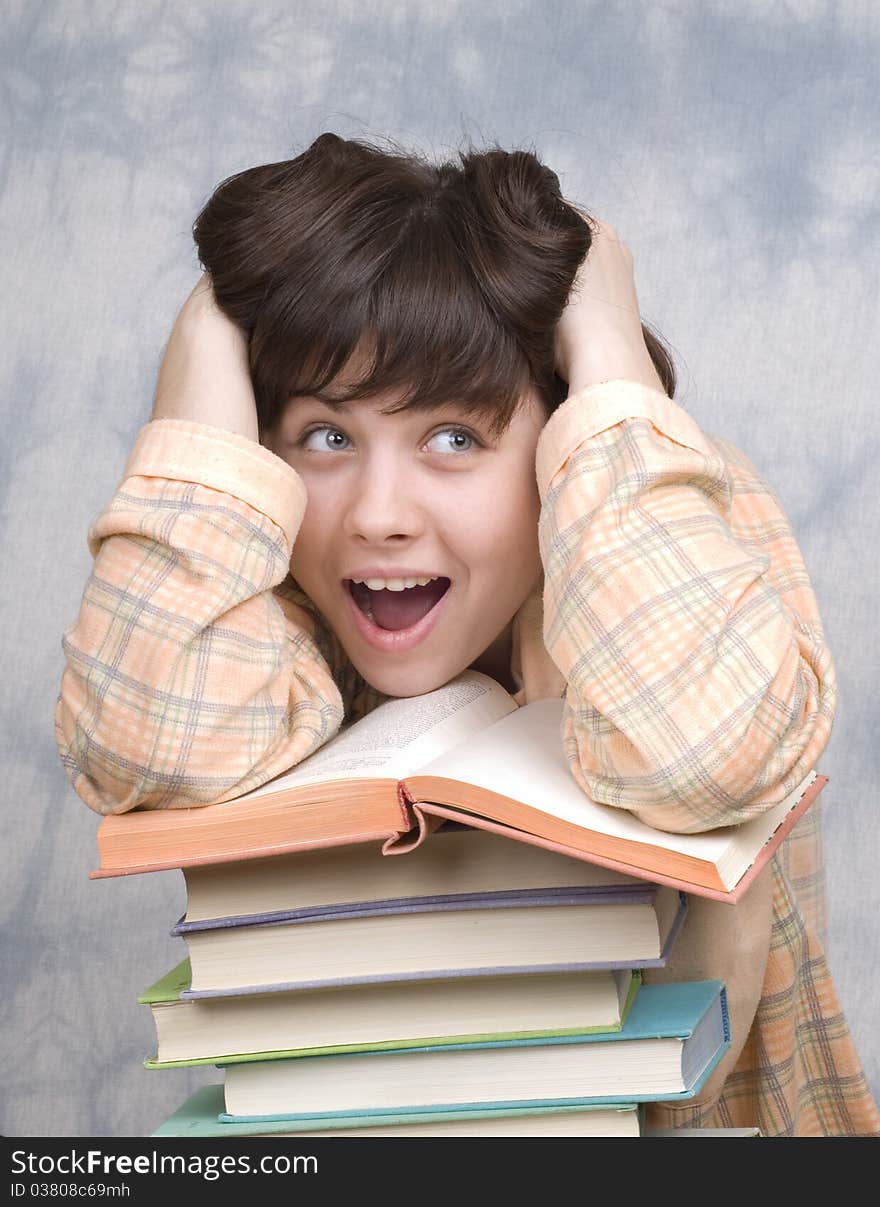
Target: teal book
360,1018
674,1036
199,1115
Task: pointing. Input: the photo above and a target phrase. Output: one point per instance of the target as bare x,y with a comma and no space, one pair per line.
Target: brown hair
448,278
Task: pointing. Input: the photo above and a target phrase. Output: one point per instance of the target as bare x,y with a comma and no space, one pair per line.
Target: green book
383,1016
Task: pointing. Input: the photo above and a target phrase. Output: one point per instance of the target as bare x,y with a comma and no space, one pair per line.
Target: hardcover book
199,1116
458,863
465,753
388,1015
673,1038
475,936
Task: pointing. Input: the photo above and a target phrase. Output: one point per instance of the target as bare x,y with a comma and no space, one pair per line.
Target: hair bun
529,242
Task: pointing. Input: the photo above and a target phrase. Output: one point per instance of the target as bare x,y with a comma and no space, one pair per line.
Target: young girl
409,422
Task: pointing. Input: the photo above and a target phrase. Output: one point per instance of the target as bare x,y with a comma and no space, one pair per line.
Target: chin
404,682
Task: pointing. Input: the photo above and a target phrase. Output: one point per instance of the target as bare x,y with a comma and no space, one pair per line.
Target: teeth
393,584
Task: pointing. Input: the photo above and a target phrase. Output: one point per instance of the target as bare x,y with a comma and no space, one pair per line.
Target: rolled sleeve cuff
596,408
187,451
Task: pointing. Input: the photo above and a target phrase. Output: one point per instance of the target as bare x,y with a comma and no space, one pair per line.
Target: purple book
296,965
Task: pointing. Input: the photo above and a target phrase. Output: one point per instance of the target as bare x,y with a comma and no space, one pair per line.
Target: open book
465,753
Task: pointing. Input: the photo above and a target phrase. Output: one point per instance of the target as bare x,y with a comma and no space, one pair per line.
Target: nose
383,504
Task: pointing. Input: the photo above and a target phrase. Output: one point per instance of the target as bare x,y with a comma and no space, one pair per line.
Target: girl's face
420,537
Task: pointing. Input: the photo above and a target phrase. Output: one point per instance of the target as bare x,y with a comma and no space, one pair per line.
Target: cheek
316,535
518,521
503,533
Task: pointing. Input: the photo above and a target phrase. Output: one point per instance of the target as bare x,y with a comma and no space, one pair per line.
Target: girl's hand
205,374
599,335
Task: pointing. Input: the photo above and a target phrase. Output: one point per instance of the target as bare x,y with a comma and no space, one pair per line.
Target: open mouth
396,610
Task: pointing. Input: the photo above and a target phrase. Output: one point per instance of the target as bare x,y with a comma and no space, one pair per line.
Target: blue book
673,1038
198,1116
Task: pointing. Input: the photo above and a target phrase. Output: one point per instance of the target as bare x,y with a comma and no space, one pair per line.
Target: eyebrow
341,406
335,404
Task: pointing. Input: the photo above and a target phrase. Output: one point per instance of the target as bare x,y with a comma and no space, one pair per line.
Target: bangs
418,325
360,273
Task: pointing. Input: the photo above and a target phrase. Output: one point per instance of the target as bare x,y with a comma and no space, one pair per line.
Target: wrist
609,364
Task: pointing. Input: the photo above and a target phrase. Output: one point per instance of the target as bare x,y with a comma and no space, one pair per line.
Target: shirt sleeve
700,688
186,682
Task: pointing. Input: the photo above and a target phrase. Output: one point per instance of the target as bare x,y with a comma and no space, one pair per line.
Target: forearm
205,375
600,336
699,684
185,683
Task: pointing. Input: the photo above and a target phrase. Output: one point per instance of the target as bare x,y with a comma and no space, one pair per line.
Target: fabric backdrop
733,143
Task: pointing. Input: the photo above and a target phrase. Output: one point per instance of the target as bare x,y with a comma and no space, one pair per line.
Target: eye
323,439
453,440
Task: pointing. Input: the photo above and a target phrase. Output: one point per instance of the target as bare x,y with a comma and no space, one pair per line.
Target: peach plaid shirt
676,616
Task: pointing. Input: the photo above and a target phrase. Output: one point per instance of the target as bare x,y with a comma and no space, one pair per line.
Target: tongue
402,609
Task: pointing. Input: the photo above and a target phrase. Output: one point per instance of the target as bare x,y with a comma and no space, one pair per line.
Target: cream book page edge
522,757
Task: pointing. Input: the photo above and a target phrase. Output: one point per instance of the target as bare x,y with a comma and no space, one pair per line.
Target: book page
396,738
522,757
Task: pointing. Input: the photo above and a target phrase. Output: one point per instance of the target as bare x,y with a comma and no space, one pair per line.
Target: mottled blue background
734,144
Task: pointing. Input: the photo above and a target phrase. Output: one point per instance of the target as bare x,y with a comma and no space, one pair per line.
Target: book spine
417,825
675,928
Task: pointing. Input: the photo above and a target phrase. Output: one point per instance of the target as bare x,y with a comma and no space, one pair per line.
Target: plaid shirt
676,616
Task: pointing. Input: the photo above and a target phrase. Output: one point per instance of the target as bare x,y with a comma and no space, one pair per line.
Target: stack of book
487,982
